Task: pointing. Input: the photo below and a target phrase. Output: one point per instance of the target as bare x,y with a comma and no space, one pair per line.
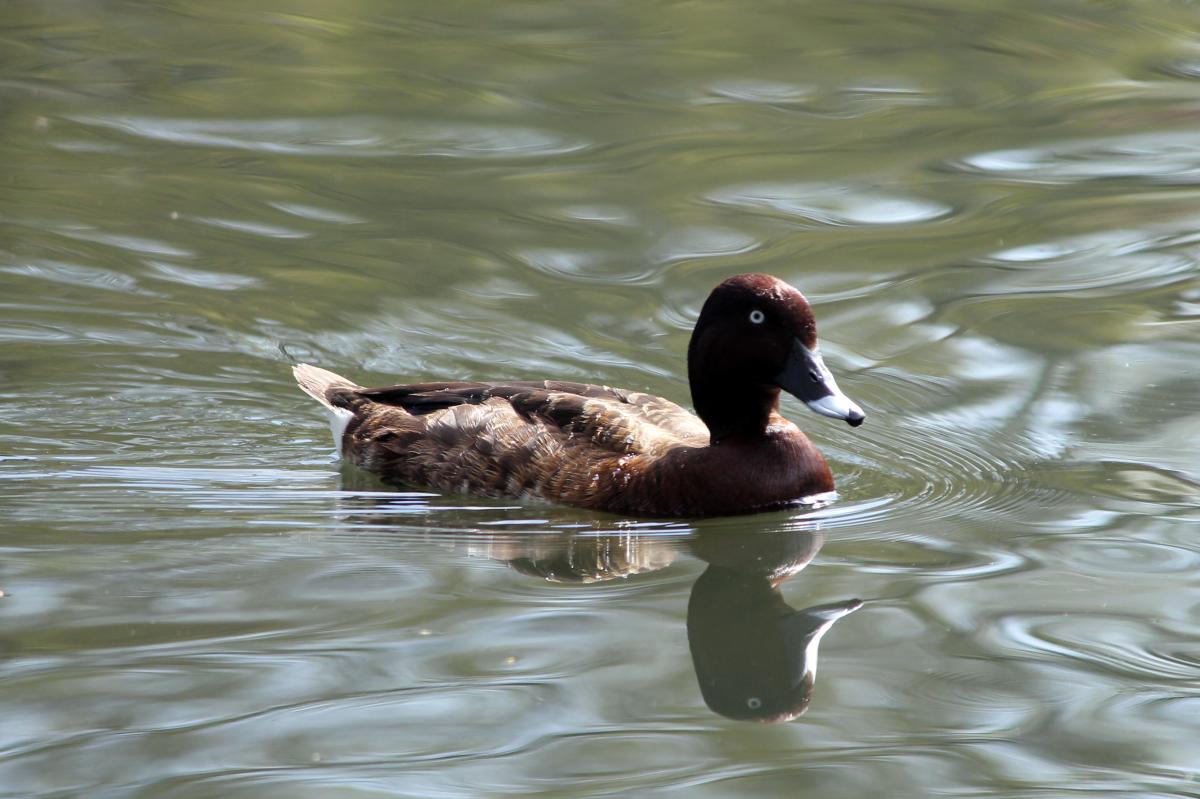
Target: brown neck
734,410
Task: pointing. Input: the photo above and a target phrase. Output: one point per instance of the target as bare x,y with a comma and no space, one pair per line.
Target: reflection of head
776,555
755,657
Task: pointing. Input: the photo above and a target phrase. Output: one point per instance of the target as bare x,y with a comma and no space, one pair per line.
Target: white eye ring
757,316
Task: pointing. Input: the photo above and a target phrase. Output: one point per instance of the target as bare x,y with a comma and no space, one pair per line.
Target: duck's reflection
755,656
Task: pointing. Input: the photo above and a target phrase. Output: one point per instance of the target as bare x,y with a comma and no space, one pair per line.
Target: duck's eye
757,316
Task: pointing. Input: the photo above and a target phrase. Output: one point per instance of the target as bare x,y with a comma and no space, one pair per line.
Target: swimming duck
609,449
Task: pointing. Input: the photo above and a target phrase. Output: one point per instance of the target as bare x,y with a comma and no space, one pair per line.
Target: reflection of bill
755,656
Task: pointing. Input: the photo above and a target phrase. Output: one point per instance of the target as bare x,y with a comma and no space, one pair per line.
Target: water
994,208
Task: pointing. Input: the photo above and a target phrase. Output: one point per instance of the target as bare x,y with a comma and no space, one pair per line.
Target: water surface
994,208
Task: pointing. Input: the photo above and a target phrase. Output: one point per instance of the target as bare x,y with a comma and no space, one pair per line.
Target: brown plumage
609,449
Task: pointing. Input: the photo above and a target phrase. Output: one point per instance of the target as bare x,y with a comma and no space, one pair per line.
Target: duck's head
755,335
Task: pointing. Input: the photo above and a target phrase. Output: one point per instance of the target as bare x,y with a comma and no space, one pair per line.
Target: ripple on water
471,723
934,560
832,203
1127,646
662,755
363,137
261,229
896,391
73,274
312,213
601,213
549,641
1181,68
1170,158
1102,471
1113,557
976,703
770,92
577,265
941,466
1105,262
1178,709
597,266
597,758
842,102
701,242
164,501
200,278
140,245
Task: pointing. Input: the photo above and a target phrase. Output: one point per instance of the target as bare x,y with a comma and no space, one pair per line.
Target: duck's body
608,449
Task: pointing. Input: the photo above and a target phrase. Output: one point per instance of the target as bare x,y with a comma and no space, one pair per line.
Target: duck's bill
807,378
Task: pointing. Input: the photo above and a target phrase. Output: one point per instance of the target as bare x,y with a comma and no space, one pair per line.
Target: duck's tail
317,383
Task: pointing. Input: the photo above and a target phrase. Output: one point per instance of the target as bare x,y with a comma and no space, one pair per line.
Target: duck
610,449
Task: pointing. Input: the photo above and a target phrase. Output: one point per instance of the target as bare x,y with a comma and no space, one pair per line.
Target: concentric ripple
937,468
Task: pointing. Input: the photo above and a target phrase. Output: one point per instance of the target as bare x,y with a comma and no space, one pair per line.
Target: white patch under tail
339,420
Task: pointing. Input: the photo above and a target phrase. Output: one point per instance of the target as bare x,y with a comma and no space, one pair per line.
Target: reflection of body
609,449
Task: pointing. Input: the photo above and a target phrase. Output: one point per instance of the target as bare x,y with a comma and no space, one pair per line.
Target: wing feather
618,418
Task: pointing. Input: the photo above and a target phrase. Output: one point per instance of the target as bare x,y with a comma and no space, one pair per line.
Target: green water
994,207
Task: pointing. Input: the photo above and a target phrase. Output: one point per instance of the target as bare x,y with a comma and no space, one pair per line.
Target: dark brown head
756,335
